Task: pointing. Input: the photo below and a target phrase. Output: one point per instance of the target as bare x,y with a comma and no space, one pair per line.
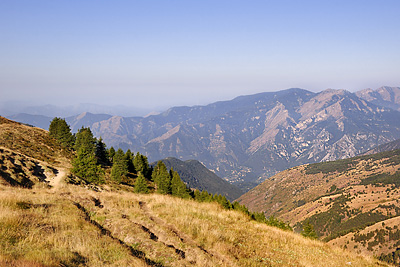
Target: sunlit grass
43,227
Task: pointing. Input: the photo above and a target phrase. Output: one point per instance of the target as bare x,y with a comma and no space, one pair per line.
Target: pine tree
129,159
222,200
85,139
119,169
141,184
60,130
178,188
162,179
205,196
101,153
85,166
141,164
111,154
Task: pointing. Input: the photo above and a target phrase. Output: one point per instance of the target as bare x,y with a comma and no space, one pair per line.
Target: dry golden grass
166,231
30,141
42,227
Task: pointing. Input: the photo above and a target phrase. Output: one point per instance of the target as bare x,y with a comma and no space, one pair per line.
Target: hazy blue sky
169,52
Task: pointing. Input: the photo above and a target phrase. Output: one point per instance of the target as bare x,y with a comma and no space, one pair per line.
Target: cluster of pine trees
96,164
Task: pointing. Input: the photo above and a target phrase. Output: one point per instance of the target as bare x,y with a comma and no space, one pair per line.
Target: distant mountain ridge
12,109
197,176
250,138
394,145
384,96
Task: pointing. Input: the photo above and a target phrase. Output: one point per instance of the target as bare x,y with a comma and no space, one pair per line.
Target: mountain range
250,138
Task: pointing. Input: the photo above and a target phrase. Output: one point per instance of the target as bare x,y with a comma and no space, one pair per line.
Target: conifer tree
101,152
60,130
222,200
129,159
178,188
141,164
205,196
119,169
85,166
111,154
141,184
85,139
162,179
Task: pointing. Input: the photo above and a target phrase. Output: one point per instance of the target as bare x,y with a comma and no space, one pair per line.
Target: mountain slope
340,198
76,227
35,120
384,147
384,96
28,155
197,176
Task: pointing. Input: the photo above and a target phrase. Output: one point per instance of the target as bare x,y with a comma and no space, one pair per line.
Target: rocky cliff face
250,138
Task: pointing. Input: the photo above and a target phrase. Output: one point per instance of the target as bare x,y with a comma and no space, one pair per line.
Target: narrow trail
56,180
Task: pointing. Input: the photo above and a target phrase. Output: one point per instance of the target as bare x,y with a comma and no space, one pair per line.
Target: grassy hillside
72,226
28,155
352,203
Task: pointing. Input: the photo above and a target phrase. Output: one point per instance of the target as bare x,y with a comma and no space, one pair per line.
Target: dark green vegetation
340,219
196,175
390,158
60,130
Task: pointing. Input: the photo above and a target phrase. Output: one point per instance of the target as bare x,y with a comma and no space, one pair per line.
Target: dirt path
56,180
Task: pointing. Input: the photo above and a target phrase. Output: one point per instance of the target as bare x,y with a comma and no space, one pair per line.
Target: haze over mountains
250,138
13,108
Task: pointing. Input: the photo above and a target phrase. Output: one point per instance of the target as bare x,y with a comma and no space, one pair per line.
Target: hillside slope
340,198
197,176
384,147
28,155
77,227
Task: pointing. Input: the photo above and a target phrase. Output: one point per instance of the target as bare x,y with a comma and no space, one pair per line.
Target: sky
162,53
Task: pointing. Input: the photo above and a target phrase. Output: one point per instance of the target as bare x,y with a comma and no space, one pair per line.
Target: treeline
96,164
